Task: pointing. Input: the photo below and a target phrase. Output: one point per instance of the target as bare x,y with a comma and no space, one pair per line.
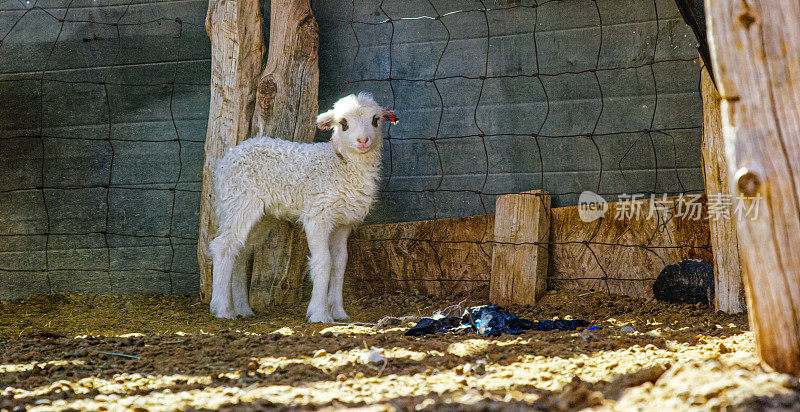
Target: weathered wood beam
287,109
755,48
623,253
521,248
288,86
237,49
447,256
279,101
434,257
728,287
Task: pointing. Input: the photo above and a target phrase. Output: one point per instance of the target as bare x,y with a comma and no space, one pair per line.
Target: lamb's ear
325,120
389,116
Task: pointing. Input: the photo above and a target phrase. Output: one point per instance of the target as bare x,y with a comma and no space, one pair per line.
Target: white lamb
328,187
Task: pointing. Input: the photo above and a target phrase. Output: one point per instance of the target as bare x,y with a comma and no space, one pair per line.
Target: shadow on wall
520,97
103,117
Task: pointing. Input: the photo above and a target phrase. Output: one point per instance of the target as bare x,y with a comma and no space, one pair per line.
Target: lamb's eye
375,121
344,124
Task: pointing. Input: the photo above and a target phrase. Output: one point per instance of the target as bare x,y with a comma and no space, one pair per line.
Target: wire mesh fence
597,96
100,183
103,107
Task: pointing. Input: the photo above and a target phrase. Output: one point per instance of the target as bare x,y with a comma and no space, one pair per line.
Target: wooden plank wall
435,257
621,256
450,256
140,89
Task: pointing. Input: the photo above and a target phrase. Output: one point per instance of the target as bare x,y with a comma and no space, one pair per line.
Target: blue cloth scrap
490,320
427,326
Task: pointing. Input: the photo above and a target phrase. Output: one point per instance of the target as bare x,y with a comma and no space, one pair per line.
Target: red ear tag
388,115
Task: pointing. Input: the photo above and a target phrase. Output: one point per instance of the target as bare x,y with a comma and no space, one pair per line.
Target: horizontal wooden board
435,257
442,257
621,256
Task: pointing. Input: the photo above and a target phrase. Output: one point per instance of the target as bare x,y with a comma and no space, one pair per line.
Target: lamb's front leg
339,257
319,266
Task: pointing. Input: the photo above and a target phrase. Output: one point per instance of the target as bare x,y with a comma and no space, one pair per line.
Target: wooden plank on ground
520,254
435,257
449,256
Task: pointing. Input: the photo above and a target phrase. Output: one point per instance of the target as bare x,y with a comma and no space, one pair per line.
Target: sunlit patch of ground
166,353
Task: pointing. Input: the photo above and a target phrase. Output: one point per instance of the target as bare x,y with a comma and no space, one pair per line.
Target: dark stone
690,281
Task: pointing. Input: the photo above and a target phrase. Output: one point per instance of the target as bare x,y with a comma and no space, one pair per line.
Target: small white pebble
372,356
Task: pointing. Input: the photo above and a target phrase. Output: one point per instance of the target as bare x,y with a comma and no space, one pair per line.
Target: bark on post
728,287
287,109
279,101
754,47
519,267
237,50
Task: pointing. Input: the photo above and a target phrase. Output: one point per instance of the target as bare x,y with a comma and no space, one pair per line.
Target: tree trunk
287,109
281,102
728,287
237,51
754,47
287,89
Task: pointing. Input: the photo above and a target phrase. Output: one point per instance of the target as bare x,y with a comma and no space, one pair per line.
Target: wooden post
237,50
281,102
728,287
755,48
287,109
288,86
519,271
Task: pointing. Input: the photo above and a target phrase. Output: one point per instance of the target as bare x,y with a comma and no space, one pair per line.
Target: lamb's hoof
340,314
245,311
222,311
320,317
312,309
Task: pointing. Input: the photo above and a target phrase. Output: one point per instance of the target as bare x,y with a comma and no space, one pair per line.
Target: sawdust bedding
166,353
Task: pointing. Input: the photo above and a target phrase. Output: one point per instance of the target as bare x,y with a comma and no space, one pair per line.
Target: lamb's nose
362,140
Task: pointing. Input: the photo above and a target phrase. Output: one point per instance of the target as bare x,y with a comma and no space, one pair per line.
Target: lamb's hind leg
240,288
231,236
239,284
223,250
339,258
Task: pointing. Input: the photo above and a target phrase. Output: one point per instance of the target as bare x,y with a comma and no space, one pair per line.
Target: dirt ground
165,353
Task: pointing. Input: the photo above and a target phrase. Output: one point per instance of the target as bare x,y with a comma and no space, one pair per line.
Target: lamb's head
356,121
